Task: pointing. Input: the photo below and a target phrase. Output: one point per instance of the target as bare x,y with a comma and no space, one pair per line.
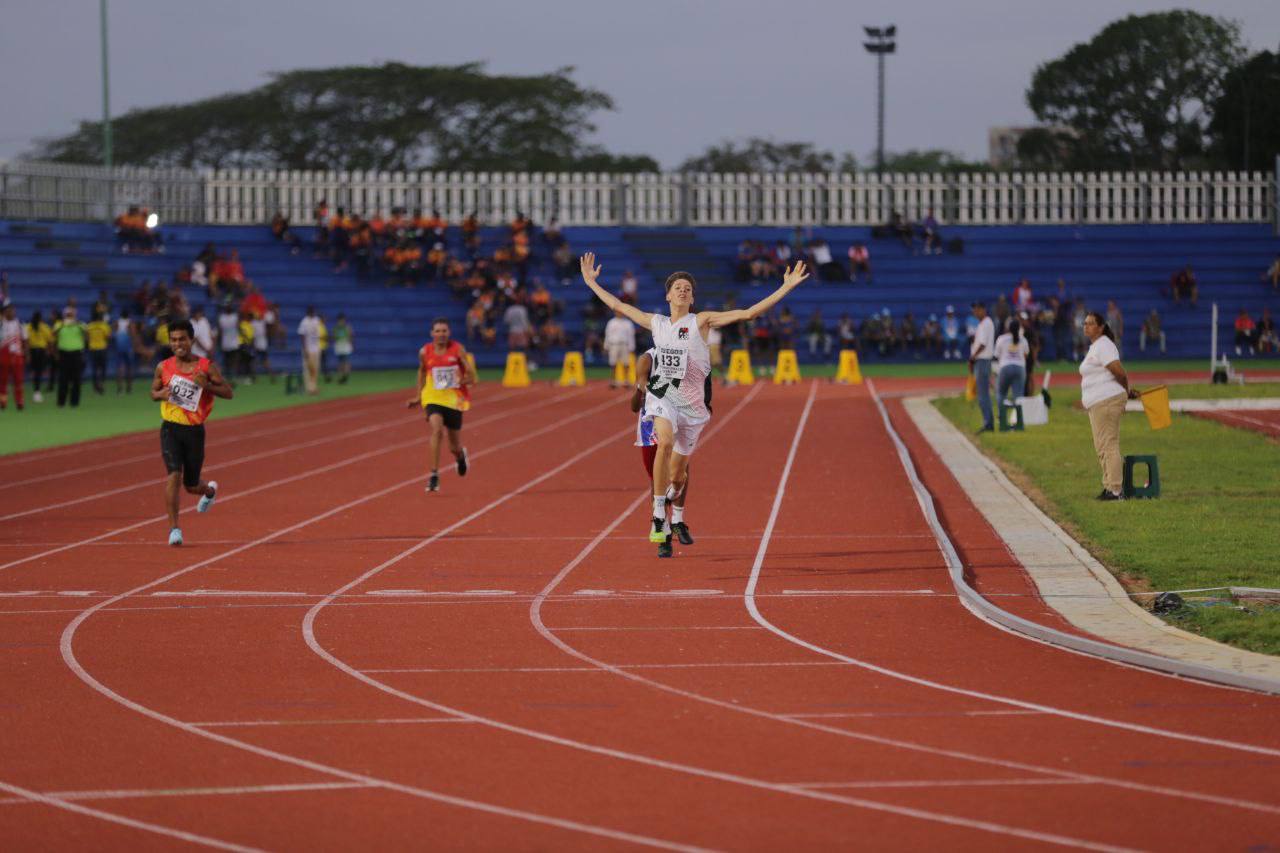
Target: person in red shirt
444,393
1245,331
185,385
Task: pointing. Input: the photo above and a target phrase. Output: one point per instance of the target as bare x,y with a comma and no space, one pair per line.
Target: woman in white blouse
1104,388
1011,360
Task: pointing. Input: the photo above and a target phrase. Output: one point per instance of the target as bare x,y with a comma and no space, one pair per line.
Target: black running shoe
462,463
664,550
433,482
658,531
681,532
1110,496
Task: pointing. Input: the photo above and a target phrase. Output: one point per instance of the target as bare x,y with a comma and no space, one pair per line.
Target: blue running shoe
175,536
207,500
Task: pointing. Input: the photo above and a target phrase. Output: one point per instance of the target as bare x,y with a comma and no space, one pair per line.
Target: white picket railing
251,196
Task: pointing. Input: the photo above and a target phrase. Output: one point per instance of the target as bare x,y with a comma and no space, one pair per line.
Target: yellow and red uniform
188,403
443,373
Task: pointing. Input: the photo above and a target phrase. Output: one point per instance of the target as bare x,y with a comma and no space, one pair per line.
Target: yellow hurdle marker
624,372
848,372
739,368
788,369
517,373
573,373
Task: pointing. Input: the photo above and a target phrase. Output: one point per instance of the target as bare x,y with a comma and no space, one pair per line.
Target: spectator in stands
761,337
780,255
785,329
859,261
403,261
229,339
98,331
902,228
1104,387
1245,332
72,338
951,334
1266,333
320,217
1115,319
629,288
1032,338
592,340
1022,296
1151,331
818,335
932,236
344,345
552,234
1011,351
980,355
280,230
476,318
541,306
309,331
907,335
40,343
519,329
4,286
471,235
551,334
847,332
137,231
829,269
1183,286
1273,274
228,275
563,260
931,336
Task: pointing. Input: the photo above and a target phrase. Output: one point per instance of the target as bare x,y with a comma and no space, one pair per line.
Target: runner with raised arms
675,396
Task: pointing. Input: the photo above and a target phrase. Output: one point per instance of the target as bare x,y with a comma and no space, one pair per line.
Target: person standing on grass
619,343
444,393
1011,353
309,331
1104,388
72,338
14,345
99,339
229,338
39,344
344,340
184,385
981,351
675,397
126,344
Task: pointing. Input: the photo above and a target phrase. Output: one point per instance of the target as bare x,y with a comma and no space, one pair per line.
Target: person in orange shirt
184,385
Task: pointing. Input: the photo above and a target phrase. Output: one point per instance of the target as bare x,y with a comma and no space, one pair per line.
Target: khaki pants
310,368
1104,418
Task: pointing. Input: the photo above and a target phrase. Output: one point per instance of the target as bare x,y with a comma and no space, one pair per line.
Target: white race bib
184,393
444,378
671,362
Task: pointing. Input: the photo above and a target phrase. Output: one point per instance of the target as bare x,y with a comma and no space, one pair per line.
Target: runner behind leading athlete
444,383
185,386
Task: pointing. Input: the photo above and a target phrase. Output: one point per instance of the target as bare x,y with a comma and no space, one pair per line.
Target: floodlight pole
106,114
881,43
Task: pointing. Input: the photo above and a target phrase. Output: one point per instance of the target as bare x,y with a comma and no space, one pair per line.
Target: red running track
339,660
1265,421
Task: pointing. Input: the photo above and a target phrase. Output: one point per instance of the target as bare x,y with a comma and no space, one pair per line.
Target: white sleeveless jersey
681,363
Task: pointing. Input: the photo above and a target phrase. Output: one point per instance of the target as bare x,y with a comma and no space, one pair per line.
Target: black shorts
452,417
182,447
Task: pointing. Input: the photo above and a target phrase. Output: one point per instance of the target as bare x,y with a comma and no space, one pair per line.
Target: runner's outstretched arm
790,280
591,272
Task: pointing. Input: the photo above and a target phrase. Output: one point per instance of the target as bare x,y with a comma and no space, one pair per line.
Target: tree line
1166,91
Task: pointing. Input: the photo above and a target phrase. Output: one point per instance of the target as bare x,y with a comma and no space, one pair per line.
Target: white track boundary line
193,838
143,793
937,783
989,613
284,481
66,646
328,438
535,617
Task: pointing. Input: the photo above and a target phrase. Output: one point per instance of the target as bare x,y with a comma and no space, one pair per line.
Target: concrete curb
1071,580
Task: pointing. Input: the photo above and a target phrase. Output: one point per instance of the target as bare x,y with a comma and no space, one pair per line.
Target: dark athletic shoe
433,482
1110,496
681,532
658,531
462,463
664,550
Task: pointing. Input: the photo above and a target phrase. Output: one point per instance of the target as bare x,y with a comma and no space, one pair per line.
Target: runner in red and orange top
185,386
444,393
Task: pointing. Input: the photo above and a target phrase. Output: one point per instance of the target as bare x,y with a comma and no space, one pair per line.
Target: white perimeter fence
31,190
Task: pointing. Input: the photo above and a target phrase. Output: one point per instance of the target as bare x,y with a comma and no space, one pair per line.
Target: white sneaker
37,397
206,501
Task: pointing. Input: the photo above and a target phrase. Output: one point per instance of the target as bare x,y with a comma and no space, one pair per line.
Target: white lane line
139,793
664,627
835,715
593,669
820,593
936,783
389,721
283,481
67,647
143,457
536,618
67,805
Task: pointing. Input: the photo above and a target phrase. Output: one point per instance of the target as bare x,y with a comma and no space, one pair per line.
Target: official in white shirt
309,331
981,351
619,341
1104,388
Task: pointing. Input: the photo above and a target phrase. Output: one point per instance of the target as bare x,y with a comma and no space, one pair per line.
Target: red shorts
648,454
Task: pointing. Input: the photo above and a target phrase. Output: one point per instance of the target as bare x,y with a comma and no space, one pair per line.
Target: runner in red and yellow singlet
185,386
444,393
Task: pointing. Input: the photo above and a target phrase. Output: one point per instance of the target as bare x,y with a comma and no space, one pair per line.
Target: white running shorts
686,428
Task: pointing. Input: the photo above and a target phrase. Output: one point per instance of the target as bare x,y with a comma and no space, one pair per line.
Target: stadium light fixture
881,44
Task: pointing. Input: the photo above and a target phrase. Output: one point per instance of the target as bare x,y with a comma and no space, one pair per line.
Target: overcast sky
683,74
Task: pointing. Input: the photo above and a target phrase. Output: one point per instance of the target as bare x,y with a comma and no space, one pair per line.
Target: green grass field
1216,523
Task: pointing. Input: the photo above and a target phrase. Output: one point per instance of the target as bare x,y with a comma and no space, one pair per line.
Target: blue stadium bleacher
49,261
